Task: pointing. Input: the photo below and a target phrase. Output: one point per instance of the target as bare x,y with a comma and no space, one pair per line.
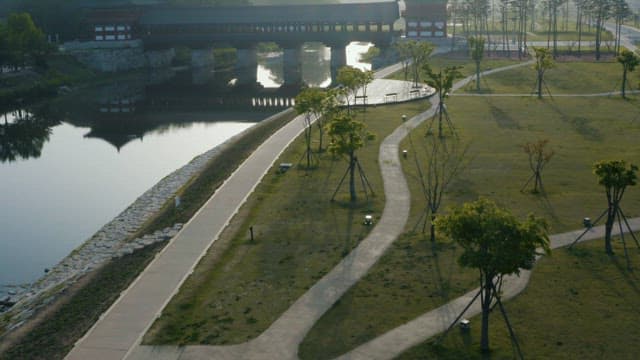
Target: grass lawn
565,78
468,67
241,287
410,278
580,304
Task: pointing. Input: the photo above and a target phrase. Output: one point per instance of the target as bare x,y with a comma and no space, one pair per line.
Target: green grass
580,304
240,288
468,67
581,131
564,78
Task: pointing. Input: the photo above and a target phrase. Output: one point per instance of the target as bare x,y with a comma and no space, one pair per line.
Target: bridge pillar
247,67
292,66
338,60
202,66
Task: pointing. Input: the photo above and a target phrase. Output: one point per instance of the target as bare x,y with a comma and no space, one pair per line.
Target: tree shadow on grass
579,124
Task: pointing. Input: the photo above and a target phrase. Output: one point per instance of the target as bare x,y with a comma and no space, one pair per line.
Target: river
71,165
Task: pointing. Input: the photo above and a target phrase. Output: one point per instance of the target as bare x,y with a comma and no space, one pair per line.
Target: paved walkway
282,339
117,334
402,338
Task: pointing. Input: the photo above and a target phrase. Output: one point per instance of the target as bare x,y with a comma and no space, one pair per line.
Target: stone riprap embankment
113,240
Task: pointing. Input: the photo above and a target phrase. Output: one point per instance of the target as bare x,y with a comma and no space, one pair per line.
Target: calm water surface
89,158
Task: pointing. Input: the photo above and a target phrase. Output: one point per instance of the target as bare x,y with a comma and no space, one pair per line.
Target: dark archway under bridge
287,25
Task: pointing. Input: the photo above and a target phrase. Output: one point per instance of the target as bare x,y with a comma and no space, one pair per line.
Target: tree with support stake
497,244
538,159
312,103
444,161
629,60
544,62
347,136
615,176
442,82
476,48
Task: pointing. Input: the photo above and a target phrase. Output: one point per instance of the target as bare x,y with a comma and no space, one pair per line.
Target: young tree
629,60
352,80
311,103
615,176
444,161
347,136
442,82
538,159
404,55
544,62
476,49
419,52
600,10
497,244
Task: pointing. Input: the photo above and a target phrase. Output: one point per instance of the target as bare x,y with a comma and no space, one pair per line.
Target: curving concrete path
118,333
282,339
402,338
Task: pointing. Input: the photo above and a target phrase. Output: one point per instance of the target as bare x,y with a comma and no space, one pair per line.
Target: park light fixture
368,219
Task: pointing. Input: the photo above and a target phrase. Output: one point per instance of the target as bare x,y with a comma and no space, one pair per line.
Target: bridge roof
384,11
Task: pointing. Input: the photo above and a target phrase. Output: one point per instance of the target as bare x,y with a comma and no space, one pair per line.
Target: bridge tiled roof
385,12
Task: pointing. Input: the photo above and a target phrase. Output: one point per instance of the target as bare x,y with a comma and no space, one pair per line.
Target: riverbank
139,226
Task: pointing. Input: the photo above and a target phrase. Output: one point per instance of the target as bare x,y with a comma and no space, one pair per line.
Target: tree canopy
497,244
615,176
629,60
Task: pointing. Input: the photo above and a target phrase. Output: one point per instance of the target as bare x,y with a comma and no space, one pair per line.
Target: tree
352,80
25,41
497,244
419,52
476,48
347,136
544,62
620,10
629,60
615,176
444,161
600,10
404,55
372,53
311,102
538,159
442,82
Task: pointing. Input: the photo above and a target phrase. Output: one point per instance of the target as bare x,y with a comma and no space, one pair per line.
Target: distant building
426,18
111,24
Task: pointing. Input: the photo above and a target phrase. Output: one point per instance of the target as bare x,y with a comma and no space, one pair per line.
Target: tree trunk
352,171
478,76
440,111
624,81
433,228
486,308
608,228
539,85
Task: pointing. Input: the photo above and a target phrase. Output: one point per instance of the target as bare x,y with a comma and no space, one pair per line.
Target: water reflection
72,165
24,133
315,61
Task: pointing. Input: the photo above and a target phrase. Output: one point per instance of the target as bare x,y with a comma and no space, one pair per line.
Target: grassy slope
564,78
580,304
242,287
580,130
